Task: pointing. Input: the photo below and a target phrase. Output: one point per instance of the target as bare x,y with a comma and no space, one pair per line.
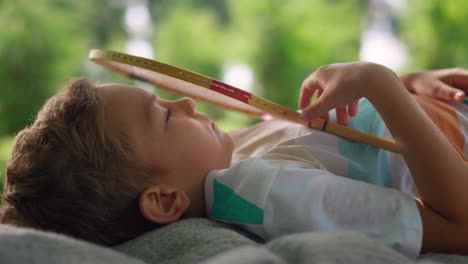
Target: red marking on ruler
230,91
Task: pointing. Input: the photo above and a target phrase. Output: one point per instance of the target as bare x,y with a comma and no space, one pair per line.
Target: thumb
448,93
315,110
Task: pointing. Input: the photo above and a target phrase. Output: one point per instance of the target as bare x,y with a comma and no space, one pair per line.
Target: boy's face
169,135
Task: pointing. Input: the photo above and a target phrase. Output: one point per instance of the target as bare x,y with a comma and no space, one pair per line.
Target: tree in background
42,45
285,42
436,33
45,43
41,48
282,42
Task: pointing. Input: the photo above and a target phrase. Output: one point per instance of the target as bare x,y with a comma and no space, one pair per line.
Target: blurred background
265,46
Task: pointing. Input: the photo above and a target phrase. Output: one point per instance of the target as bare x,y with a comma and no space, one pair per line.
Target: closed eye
168,115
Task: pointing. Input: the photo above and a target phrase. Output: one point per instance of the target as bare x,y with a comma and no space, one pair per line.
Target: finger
459,97
448,93
456,77
341,115
353,108
325,116
319,93
305,97
320,107
307,91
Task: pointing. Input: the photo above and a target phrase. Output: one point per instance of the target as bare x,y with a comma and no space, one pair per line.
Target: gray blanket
203,240
196,240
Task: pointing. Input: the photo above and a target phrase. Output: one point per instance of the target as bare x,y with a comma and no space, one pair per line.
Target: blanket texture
204,241
197,240
24,245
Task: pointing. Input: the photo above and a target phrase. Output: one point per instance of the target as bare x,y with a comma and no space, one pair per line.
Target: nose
187,105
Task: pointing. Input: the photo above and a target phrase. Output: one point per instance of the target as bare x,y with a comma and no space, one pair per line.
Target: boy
107,163
81,167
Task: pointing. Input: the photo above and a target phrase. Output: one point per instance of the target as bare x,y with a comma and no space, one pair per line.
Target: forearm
440,174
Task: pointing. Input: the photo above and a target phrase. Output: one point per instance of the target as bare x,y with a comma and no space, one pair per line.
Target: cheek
204,145
196,141
198,133
208,147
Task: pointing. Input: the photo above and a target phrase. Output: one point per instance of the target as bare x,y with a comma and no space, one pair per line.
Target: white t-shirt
316,181
288,190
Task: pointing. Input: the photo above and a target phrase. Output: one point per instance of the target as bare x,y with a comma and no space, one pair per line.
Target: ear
163,205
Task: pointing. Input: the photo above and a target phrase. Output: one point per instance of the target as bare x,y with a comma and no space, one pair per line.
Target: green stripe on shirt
229,206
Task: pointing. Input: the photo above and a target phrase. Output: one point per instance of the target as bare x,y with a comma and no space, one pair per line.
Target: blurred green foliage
282,43
44,43
436,33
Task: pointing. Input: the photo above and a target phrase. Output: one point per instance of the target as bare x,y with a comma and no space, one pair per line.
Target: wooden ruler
224,95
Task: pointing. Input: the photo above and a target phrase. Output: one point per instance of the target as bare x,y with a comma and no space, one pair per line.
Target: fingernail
458,95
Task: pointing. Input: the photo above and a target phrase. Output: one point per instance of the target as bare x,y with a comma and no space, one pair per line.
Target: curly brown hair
69,174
